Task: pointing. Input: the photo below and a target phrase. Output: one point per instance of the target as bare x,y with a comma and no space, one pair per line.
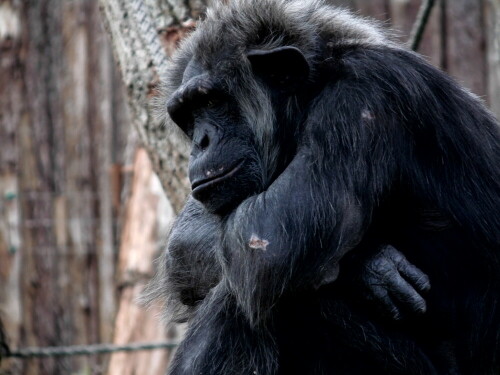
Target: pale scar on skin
257,243
367,115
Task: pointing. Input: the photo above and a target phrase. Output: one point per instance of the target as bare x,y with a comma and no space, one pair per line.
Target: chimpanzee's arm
219,340
293,235
192,268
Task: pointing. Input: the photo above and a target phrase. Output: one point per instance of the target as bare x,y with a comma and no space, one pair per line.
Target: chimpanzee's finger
404,293
385,302
414,275
410,272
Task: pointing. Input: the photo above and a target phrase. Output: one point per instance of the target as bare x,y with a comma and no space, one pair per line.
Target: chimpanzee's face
224,166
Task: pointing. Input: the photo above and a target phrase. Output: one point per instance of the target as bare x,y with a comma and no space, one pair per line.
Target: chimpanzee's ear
284,67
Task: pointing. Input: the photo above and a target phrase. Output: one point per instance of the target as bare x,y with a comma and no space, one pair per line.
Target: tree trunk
11,113
59,139
147,212
492,13
465,34
153,28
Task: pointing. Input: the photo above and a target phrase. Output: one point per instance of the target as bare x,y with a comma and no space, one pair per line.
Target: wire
64,351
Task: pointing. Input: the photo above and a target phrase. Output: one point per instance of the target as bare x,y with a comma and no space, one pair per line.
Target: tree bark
11,114
58,139
148,212
142,32
466,43
492,13
153,28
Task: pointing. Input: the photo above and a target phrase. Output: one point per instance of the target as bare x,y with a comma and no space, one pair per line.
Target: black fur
341,143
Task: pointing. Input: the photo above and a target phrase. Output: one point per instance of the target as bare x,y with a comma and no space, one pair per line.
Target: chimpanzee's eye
213,102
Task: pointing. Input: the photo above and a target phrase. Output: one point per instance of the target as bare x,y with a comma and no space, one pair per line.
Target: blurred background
82,214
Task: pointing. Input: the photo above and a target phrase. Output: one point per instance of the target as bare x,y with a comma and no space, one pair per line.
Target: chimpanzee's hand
395,284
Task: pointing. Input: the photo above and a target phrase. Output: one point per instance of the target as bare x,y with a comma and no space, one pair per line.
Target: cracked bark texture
143,32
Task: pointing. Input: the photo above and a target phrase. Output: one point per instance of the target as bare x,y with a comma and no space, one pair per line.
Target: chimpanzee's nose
204,137
202,141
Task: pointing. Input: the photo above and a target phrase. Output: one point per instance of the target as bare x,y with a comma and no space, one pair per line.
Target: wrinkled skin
395,283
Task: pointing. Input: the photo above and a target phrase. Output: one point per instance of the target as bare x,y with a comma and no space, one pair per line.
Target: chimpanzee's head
237,114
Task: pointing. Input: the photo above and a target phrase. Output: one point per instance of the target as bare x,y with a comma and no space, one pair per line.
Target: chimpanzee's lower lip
206,183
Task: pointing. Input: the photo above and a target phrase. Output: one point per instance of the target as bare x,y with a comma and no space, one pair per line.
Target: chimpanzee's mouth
208,182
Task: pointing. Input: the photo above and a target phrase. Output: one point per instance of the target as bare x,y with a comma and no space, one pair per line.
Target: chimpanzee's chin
217,205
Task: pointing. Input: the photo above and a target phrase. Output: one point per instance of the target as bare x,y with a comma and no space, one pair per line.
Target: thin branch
419,27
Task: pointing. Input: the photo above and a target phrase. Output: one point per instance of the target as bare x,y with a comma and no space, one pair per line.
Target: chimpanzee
317,141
